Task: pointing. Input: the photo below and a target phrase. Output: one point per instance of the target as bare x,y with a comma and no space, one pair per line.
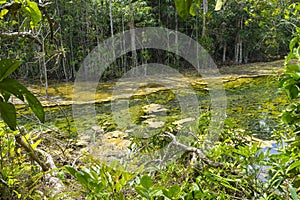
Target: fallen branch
29,149
56,184
197,151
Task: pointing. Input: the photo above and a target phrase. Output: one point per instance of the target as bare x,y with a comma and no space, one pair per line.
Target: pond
253,103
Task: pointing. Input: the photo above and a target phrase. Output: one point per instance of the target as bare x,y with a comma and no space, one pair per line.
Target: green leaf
9,86
34,13
2,1
219,5
294,165
18,90
5,95
293,67
183,8
8,66
293,91
293,42
293,192
175,190
71,170
172,192
193,10
142,191
3,12
8,114
287,118
83,178
146,182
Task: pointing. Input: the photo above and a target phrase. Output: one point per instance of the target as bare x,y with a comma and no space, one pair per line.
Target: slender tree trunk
61,42
236,49
124,44
45,67
224,53
132,32
238,53
205,9
72,57
241,43
241,52
112,27
176,28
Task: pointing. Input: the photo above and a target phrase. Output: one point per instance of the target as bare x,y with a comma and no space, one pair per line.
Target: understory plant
285,171
231,169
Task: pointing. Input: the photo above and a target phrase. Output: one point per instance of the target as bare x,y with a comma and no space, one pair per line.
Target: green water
253,103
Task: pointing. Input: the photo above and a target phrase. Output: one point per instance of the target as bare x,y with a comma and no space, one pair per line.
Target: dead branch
55,183
197,151
28,148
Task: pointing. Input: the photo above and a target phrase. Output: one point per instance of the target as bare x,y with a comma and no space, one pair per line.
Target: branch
29,149
14,6
197,151
28,35
4,182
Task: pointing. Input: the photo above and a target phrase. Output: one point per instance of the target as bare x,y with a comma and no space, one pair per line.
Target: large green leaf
9,86
18,90
183,8
8,114
8,66
34,12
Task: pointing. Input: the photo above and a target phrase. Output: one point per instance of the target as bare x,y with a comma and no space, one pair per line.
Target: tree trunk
61,42
45,67
112,28
224,53
124,64
241,52
132,32
238,50
241,44
205,9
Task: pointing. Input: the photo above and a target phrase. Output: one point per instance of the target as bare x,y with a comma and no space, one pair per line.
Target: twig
76,159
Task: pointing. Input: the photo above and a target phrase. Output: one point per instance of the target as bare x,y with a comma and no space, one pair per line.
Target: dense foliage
242,31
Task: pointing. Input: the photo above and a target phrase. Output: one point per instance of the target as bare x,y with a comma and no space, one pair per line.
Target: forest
139,99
